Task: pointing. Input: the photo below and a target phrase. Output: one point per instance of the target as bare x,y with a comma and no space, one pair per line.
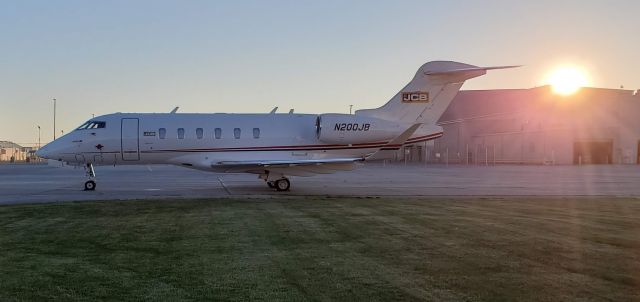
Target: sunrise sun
567,80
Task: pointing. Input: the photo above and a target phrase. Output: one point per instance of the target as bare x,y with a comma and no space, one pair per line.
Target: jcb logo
415,97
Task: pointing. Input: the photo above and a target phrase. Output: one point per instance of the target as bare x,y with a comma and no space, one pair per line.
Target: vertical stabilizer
429,93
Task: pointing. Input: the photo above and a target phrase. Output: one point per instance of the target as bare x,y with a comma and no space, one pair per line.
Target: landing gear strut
90,185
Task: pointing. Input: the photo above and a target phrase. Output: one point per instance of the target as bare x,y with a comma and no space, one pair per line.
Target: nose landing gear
90,185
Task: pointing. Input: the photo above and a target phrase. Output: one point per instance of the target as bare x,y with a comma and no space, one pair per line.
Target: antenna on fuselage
291,111
174,110
274,110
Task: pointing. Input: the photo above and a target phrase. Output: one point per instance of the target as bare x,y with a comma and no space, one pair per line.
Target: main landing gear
276,181
282,184
90,185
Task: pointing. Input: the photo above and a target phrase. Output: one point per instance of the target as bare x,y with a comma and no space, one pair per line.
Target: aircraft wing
307,167
302,167
298,167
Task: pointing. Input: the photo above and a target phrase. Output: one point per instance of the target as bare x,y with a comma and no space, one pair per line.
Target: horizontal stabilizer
468,70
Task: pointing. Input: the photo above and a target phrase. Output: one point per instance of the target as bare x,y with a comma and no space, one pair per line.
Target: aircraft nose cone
47,151
42,153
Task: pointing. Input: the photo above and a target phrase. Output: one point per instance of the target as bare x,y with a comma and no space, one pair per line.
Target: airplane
271,145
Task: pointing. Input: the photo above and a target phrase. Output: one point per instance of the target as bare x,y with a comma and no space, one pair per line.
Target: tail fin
429,94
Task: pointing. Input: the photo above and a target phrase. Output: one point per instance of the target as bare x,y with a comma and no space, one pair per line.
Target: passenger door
130,139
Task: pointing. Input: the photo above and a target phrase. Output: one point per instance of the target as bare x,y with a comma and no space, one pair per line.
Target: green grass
350,249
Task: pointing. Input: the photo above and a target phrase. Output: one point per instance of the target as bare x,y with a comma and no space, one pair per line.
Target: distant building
10,152
537,126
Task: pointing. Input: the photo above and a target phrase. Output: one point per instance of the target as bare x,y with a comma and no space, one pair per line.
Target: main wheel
90,185
283,184
271,185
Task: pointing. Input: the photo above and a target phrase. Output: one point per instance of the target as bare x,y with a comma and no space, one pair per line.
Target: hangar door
129,139
593,152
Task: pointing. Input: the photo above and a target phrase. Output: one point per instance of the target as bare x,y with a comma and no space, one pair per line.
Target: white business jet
271,145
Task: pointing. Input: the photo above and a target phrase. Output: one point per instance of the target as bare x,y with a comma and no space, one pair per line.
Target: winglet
394,145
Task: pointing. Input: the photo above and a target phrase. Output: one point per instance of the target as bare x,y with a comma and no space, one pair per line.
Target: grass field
350,249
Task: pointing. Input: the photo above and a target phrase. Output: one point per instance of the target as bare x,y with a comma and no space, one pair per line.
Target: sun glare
567,80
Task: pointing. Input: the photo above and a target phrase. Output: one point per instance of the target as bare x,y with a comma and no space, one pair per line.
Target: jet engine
336,128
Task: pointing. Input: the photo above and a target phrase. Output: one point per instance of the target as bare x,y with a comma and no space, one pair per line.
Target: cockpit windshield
92,125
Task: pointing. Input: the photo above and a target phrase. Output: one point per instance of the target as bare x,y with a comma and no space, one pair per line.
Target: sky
100,57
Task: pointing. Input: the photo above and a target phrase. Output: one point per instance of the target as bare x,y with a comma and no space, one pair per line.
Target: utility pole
38,136
54,118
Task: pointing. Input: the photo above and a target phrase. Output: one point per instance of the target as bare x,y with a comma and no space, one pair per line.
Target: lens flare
567,80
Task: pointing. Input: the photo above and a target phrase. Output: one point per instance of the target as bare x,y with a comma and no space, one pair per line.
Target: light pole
38,136
54,118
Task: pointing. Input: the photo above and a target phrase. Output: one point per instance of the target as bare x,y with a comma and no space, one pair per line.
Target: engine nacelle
336,128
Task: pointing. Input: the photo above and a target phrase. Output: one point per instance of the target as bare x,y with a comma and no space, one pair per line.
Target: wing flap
290,163
302,167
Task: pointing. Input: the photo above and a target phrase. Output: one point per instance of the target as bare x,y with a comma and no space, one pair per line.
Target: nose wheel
90,185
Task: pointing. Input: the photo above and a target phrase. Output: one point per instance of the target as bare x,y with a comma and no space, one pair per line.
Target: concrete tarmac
42,183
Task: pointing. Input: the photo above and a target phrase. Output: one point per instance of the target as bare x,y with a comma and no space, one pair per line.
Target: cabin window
256,132
199,133
180,133
162,133
236,133
218,133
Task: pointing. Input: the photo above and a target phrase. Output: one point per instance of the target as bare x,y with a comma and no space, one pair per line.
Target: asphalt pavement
42,183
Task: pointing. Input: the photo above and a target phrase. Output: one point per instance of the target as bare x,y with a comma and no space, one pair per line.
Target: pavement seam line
224,186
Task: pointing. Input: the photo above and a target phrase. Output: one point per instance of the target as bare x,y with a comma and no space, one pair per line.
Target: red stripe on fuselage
304,147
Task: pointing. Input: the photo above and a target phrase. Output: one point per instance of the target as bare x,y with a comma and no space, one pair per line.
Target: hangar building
538,126
10,152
